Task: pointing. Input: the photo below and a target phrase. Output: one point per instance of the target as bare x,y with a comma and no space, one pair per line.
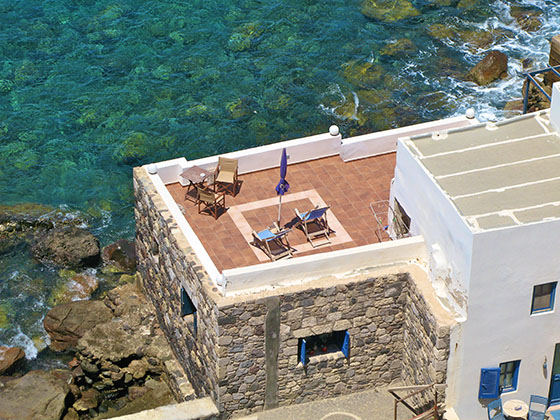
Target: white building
486,199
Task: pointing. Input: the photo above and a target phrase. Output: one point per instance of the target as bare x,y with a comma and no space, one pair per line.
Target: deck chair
495,410
225,177
537,407
274,245
314,224
213,202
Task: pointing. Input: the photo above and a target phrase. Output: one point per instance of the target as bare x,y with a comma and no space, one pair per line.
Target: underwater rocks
388,10
10,358
36,396
67,323
74,287
68,246
492,67
26,216
399,48
528,18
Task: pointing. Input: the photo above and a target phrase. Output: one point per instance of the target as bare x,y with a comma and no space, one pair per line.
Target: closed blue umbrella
283,185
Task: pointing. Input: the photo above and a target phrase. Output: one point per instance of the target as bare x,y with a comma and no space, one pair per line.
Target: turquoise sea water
90,89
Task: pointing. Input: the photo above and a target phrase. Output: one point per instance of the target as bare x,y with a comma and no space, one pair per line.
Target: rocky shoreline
120,362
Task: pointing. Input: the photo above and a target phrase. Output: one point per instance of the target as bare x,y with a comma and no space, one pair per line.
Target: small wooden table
196,177
515,409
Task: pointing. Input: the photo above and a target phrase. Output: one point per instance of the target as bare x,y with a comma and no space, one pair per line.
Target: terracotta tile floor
348,188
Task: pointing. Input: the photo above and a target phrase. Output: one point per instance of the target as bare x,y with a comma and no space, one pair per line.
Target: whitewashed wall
315,266
433,215
506,264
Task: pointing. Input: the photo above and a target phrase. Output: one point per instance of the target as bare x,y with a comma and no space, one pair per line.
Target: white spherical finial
333,130
152,168
470,113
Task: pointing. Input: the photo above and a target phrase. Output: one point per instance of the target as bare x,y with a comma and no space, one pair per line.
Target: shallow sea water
90,89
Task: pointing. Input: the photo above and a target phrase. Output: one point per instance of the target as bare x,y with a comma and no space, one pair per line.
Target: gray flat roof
497,175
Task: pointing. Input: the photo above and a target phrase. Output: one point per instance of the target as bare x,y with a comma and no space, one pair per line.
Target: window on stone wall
188,310
323,344
543,298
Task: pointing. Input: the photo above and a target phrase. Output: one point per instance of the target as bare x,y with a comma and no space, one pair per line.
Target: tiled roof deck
348,187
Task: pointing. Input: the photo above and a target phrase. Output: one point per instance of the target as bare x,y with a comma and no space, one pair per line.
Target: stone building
363,304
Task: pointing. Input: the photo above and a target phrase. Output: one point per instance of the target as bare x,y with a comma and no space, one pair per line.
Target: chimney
555,107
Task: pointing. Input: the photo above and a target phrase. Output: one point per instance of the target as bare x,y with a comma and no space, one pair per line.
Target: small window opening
543,297
317,345
402,222
188,310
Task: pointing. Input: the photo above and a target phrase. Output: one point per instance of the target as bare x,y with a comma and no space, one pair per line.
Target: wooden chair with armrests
225,178
213,202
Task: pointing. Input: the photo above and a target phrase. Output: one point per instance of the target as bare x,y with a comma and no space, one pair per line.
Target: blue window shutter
302,352
489,383
346,345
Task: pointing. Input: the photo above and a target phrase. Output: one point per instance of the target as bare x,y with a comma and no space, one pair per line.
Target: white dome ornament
333,130
152,169
470,113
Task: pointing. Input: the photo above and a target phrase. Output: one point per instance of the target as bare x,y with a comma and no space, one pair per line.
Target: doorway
554,393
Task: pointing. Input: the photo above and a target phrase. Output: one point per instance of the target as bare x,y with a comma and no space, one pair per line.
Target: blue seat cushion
265,235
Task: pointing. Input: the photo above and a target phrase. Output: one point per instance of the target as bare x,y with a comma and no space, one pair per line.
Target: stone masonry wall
166,262
426,345
371,309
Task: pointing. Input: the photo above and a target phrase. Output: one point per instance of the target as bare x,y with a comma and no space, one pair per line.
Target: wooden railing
431,412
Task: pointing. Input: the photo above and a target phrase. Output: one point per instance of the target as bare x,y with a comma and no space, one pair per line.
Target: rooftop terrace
346,174
348,187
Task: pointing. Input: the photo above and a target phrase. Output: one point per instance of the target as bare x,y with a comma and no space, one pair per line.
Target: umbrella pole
279,208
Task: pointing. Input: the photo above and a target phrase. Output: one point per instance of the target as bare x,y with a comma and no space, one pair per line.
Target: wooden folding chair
213,202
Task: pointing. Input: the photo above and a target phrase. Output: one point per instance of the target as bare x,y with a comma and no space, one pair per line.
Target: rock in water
389,10
36,396
9,358
67,323
68,246
120,255
492,67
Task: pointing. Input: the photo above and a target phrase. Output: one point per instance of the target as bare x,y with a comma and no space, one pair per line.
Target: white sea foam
488,100
21,340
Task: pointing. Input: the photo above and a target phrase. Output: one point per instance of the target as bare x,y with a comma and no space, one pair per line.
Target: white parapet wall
335,263
383,142
258,158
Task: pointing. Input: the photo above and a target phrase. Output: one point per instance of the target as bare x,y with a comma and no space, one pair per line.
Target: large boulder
120,255
10,358
36,396
131,334
67,323
68,246
492,67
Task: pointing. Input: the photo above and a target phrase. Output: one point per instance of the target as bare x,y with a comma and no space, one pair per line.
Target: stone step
199,409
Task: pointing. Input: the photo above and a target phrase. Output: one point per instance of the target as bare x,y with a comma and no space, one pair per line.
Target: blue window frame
323,343
509,372
543,297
